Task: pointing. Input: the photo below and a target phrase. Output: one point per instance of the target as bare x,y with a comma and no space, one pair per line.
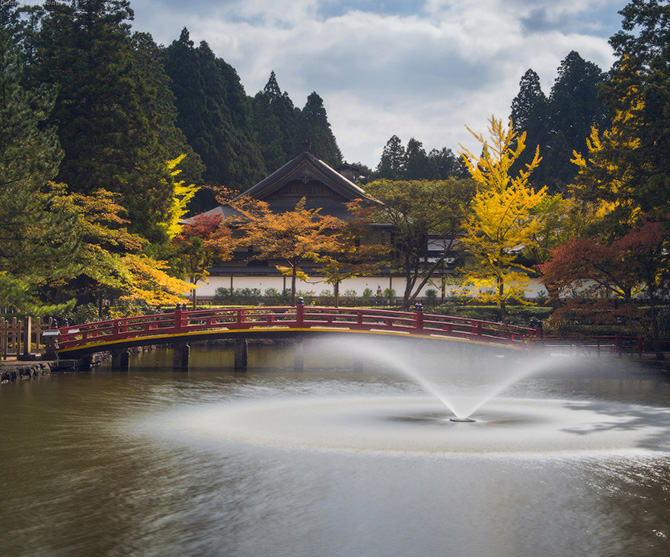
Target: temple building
323,187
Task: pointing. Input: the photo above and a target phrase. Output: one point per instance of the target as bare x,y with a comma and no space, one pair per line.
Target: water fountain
450,385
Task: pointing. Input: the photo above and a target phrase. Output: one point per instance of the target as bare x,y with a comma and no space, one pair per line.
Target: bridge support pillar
241,354
181,355
299,354
120,360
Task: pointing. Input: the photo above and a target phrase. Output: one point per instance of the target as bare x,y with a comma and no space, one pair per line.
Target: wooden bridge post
120,359
418,316
241,353
181,355
300,311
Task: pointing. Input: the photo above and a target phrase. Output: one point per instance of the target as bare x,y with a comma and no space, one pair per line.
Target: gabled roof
306,167
303,176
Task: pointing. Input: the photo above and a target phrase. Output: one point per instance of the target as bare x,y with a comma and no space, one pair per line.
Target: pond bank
17,370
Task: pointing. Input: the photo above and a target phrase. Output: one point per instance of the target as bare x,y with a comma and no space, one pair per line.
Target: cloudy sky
414,68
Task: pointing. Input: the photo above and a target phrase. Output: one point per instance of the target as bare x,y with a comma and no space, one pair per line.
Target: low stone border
26,370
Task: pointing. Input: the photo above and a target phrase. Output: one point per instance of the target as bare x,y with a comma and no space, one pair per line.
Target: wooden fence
21,337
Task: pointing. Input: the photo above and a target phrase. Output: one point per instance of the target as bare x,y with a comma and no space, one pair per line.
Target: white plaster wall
359,284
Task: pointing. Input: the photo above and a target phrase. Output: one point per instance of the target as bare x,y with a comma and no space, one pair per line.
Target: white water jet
462,376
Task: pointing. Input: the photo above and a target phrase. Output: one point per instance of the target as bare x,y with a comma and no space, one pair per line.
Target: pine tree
315,129
392,163
639,86
214,114
105,111
36,243
276,122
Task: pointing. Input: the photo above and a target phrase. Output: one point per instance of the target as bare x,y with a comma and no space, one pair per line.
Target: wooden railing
620,345
21,337
181,322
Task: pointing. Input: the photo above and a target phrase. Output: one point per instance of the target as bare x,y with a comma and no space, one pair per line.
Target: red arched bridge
182,326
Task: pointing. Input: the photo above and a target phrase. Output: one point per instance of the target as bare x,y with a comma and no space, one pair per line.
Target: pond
573,459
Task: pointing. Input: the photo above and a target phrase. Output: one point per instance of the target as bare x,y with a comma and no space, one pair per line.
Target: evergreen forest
109,140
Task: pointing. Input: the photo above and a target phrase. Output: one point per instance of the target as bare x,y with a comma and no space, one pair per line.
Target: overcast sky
414,68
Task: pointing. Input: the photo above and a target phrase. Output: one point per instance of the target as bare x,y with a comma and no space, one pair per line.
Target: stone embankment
14,370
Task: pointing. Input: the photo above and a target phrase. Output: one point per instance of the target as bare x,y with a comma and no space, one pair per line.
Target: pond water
332,462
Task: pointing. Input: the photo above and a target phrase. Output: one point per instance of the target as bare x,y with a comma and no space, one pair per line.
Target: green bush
366,298
326,298
274,297
431,297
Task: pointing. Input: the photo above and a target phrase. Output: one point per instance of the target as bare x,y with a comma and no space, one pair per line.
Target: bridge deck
182,325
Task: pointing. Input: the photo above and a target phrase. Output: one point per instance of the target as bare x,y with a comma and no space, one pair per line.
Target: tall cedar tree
501,218
106,113
315,130
277,124
215,115
37,243
560,124
150,58
412,162
392,163
640,79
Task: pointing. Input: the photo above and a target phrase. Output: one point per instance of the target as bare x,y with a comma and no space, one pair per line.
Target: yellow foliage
502,220
182,194
150,284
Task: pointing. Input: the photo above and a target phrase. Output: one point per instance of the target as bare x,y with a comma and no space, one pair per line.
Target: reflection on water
81,477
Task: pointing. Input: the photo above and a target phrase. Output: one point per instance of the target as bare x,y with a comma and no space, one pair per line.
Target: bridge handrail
183,321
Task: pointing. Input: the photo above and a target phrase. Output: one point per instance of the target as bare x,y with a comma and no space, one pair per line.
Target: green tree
530,112
559,124
418,210
574,107
392,163
36,242
417,164
447,164
315,129
105,110
501,219
150,59
214,114
276,123
639,87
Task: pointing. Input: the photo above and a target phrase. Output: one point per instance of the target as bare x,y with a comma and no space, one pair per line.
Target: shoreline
17,370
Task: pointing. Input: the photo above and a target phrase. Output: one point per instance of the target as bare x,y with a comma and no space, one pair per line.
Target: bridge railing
181,321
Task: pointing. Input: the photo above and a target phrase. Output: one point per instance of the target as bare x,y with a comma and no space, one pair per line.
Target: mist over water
463,376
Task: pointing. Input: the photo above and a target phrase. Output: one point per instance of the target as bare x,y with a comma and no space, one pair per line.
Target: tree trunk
501,298
336,293
294,276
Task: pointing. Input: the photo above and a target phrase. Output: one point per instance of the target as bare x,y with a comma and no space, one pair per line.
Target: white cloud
424,74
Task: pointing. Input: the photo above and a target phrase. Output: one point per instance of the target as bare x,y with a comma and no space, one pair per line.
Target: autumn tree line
108,140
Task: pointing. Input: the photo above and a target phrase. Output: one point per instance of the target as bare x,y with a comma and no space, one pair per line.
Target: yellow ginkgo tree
501,221
181,195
